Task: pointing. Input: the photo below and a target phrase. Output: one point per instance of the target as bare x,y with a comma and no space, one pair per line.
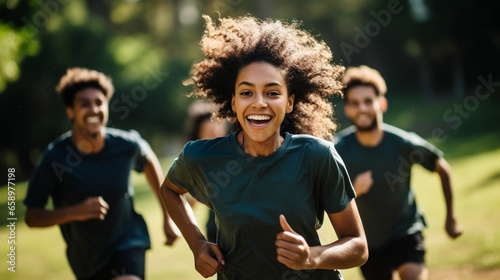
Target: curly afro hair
77,79
304,61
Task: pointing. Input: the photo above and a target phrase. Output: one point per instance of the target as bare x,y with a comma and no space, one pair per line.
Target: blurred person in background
379,158
200,125
87,174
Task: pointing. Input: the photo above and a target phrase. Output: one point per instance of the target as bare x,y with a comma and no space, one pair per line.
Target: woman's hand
292,249
208,259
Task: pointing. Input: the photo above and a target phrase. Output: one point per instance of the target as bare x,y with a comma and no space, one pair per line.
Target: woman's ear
289,105
233,105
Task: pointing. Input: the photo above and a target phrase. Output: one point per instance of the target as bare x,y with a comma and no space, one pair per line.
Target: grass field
475,255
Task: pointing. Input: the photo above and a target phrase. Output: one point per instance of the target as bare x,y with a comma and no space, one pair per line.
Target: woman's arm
183,216
350,250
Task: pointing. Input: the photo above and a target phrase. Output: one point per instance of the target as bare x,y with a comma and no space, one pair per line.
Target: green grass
40,252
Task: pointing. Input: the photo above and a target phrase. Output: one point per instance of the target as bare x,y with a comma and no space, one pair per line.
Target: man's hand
363,182
171,231
91,208
452,228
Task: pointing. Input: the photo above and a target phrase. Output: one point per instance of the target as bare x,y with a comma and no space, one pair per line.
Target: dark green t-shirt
389,209
301,180
69,177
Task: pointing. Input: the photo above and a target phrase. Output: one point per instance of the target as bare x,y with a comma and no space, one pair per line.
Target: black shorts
127,262
383,261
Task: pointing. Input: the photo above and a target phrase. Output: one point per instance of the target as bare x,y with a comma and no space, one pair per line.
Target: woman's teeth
259,117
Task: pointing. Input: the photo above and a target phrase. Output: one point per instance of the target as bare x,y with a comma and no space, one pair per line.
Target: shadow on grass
489,181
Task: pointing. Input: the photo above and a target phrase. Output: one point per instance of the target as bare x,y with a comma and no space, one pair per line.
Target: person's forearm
448,195
444,171
344,253
350,250
39,217
154,175
182,215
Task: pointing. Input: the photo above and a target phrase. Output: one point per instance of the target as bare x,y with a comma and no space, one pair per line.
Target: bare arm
444,171
154,175
350,250
180,211
91,208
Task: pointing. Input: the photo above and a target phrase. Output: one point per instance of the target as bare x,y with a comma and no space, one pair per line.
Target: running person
86,173
202,126
379,158
269,183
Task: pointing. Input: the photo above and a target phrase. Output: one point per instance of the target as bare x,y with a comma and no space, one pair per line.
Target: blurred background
429,51
440,60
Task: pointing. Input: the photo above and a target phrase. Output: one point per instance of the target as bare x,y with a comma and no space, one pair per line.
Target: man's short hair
364,76
77,79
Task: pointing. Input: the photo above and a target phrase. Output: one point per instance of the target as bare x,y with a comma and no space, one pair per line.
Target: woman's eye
245,93
273,93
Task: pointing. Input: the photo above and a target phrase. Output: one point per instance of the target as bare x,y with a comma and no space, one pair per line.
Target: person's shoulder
116,134
393,130
204,147
58,147
344,136
61,142
398,134
345,132
311,143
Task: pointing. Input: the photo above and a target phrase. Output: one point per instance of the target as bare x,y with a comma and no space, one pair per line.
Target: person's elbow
365,254
28,218
31,218
362,250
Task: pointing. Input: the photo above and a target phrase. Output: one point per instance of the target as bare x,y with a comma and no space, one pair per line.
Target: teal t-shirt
388,210
301,180
69,176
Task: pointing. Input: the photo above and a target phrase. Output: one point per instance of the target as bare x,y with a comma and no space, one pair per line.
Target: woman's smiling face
261,101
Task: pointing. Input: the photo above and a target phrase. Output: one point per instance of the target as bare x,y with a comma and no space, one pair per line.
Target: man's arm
91,208
154,175
444,171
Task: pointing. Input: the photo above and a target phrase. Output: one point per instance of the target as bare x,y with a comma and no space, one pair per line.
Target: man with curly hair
86,173
269,183
379,157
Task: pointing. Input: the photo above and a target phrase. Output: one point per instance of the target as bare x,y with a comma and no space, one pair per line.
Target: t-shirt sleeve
141,157
43,182
336,191
423,152
182,172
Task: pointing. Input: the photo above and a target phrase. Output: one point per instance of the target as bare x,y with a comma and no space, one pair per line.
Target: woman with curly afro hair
272,179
